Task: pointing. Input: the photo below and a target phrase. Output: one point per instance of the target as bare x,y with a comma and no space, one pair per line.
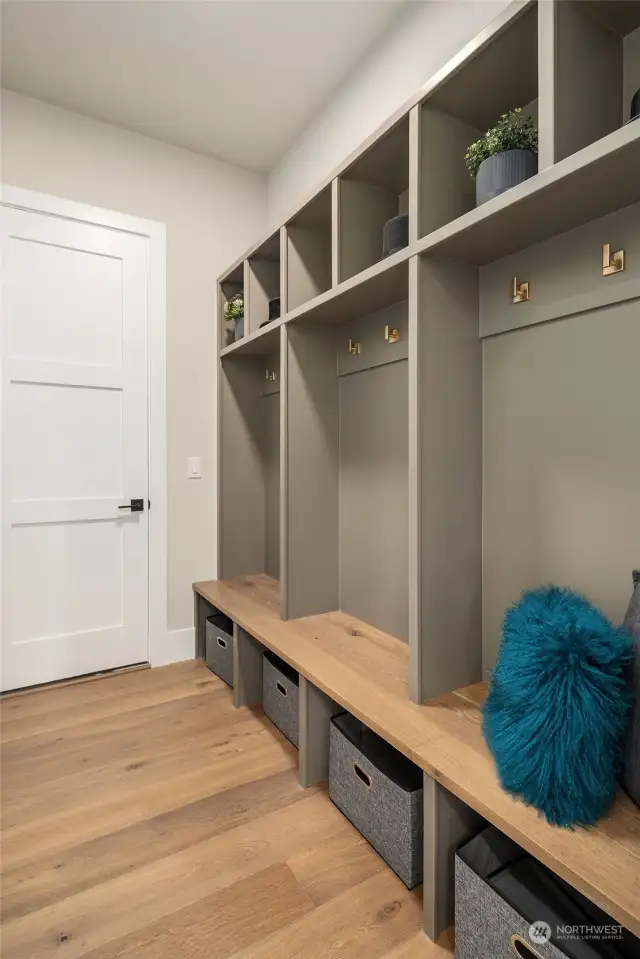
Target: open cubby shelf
264,270
597,70
373,190
309,250
229,287
502,77
433,444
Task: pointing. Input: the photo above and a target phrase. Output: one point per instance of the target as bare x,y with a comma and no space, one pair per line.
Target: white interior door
74,445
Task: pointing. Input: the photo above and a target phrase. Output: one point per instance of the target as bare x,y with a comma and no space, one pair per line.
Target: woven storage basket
509,905
380,791
280,695
219,646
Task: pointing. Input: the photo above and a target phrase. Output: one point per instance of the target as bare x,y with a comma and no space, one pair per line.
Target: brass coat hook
391,334
611,262
519,291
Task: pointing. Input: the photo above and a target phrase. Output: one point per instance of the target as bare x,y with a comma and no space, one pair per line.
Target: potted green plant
506,155
234,316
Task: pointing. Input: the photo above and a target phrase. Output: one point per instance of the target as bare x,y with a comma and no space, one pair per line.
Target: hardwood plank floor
144,817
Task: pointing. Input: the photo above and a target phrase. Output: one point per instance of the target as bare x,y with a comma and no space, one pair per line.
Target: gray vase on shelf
238,331
500,172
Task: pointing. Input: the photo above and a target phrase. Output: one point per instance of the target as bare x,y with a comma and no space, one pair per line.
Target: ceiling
238,80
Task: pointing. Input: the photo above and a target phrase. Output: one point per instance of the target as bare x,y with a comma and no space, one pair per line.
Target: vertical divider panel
247,668
284,465
450,447
201,609
311,525
448,822
414,493
316,710
335,232
218,424
246,280
547,79
414,173
284,268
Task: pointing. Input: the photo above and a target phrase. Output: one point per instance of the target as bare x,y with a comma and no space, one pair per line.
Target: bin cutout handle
522,949
281,689
221,642
361,774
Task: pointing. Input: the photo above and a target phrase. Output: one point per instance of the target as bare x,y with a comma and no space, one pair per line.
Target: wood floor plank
216,926
37,702
363,923
54,833
27,763
124,905
335,865
154,821
53,877
133,770
31,725
112,731
419,947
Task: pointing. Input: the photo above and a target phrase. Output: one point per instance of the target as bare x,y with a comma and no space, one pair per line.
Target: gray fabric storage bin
501,891
381,792
631,778
280,695
219,646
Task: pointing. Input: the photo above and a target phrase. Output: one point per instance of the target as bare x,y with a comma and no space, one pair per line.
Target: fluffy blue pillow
559,704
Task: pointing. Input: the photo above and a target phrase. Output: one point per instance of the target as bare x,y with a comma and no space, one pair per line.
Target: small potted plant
234,316
506,155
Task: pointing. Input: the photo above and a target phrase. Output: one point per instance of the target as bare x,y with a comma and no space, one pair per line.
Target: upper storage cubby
373,191
597,70
231,288
309,251
500,77
264,284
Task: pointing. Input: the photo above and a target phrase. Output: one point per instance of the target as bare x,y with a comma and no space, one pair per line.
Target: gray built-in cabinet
409,444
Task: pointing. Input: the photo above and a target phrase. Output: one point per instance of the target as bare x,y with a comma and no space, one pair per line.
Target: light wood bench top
365,670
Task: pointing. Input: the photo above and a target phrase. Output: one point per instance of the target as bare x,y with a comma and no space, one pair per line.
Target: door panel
75,566
84,423
51,316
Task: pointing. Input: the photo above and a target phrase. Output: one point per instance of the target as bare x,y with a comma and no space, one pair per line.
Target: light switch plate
194,467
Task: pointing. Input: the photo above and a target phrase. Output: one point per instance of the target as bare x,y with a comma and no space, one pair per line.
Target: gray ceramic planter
502,171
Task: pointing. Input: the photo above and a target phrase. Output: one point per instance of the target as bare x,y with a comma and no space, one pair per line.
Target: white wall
212,211
424,37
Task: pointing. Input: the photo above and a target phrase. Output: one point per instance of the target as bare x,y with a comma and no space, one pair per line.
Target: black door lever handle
136,506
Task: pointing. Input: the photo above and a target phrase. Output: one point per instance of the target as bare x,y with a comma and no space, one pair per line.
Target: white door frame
162,647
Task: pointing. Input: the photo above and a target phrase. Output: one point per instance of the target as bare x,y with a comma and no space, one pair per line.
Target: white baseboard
174,647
